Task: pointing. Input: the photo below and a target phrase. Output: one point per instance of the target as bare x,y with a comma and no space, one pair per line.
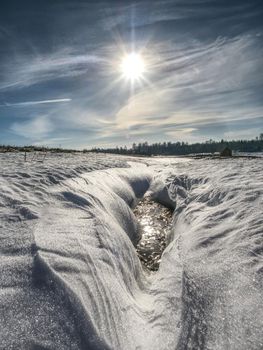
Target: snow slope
70,276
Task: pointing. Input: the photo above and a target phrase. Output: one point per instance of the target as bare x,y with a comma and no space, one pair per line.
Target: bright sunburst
132,66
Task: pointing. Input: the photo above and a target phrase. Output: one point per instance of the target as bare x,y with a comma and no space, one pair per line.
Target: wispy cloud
241,134
32,103
25,71
53,142
197,83
34,129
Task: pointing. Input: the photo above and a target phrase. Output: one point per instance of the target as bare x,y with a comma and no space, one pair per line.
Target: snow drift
71,278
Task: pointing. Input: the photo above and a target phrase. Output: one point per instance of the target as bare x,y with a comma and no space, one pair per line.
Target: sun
132,66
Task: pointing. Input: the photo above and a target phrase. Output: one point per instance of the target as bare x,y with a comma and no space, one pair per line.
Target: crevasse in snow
70,275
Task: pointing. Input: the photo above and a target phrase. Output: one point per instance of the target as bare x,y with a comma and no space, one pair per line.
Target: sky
61,83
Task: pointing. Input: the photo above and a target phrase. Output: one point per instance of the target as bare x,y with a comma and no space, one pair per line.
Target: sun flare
132,66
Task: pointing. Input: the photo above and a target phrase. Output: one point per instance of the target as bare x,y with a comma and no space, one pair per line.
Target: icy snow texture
70,276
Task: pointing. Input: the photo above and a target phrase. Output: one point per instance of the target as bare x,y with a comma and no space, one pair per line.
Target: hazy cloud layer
35,129
60,79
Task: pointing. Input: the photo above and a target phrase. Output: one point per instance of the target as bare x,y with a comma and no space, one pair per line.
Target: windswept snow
70,274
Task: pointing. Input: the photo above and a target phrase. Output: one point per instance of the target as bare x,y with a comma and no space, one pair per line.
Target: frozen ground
70,275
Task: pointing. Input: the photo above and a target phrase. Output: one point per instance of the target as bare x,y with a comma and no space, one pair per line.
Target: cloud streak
66,63
33,103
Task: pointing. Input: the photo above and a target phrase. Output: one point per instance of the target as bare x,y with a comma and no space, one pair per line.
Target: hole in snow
155,222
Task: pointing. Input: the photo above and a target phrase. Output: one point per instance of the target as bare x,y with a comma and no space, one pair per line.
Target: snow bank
70,276
218,236
85,247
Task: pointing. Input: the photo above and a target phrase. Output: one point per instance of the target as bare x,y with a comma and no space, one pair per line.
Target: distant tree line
159,148
10,148
183,148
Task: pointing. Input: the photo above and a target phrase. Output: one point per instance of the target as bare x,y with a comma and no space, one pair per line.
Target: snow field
71,278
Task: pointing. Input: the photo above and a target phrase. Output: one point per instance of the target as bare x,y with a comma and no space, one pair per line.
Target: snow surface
70,275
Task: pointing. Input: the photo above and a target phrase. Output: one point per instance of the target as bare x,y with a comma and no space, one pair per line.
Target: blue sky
60,81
